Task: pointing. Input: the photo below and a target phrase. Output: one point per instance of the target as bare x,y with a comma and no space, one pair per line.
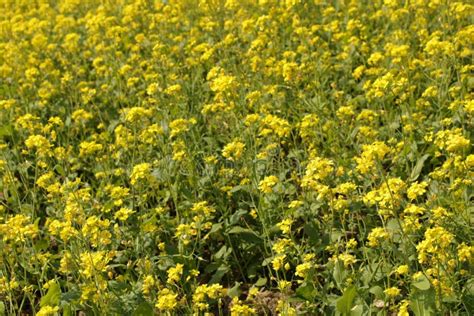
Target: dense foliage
236,157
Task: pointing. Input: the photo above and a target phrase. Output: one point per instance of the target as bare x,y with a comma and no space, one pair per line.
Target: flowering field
239,157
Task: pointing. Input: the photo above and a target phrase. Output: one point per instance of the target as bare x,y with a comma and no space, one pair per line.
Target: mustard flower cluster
224,157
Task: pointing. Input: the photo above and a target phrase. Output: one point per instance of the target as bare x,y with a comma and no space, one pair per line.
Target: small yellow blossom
167,300
239,309
175,273
123,214
233,151
416,190
402,270
140,172
267,184
392,292
48,311
285,225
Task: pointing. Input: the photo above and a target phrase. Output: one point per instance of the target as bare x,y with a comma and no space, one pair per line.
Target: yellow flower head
233,151
167,300
140,172
267,184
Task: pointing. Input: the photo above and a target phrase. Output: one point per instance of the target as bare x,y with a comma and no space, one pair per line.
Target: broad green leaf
357,310
339,273
470,286
2,309
70,296
41,244
335,235
117,286
377,291
234,291
422,303
239,188
52,296
27,208
246,234
220,272
59,169
312,231
215,228
236,217
307,292
223,253
67,310
6,130
143,309
266,261
261,281
415,173
240,230
468,297
422,283
393,225
344,303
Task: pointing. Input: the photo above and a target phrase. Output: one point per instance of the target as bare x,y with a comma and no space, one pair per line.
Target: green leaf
220,272
52,296
239,230
339,273
261,281
377,291
394,225
239,188
234,291
70,296
41,244
423,303
357,310
143,309
67,310
2,309
312,231
27,208
6,130
266,261
415,173
335,235
59,169
469,286
246,234
344,303
117,286
223,253
236,217
422,283
307,292
215,228
468,300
